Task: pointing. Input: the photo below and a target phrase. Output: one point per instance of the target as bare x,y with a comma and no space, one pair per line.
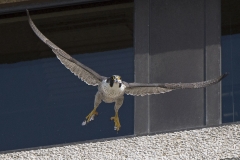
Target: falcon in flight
112,89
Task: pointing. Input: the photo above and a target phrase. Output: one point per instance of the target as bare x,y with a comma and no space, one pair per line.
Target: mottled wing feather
83,72
142,89
78,71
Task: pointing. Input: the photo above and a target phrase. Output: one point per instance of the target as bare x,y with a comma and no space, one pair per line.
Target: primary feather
83,72
142,89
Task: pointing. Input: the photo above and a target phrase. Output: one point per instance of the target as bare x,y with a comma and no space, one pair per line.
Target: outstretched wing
142,89
83,72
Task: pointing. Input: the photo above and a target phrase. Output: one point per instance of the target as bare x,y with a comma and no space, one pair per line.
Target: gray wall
177,41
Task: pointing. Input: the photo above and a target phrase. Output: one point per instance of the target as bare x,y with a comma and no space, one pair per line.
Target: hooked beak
117,81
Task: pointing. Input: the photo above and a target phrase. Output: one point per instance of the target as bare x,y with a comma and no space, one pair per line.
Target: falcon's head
115,79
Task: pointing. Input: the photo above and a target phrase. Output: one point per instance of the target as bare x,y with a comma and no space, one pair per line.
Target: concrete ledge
208,143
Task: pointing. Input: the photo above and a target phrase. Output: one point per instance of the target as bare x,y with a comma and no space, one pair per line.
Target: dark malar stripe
110,81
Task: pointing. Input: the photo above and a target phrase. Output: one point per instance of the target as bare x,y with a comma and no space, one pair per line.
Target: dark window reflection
42,102
231,60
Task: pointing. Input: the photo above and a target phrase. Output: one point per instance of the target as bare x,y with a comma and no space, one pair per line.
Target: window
230,60
42,102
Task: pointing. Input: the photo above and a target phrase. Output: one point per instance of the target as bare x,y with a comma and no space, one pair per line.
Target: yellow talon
116,121
91,115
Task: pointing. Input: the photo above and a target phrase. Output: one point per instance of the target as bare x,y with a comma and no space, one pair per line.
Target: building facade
148,41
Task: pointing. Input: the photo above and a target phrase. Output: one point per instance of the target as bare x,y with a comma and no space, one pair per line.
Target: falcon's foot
90,117
116,121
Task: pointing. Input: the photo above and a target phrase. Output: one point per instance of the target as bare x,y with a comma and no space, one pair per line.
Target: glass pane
231,60
42,102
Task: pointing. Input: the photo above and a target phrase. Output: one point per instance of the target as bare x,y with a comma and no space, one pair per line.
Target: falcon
112,89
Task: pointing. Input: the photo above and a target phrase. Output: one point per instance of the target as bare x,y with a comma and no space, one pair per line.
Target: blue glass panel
231,85
230,60
43,103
